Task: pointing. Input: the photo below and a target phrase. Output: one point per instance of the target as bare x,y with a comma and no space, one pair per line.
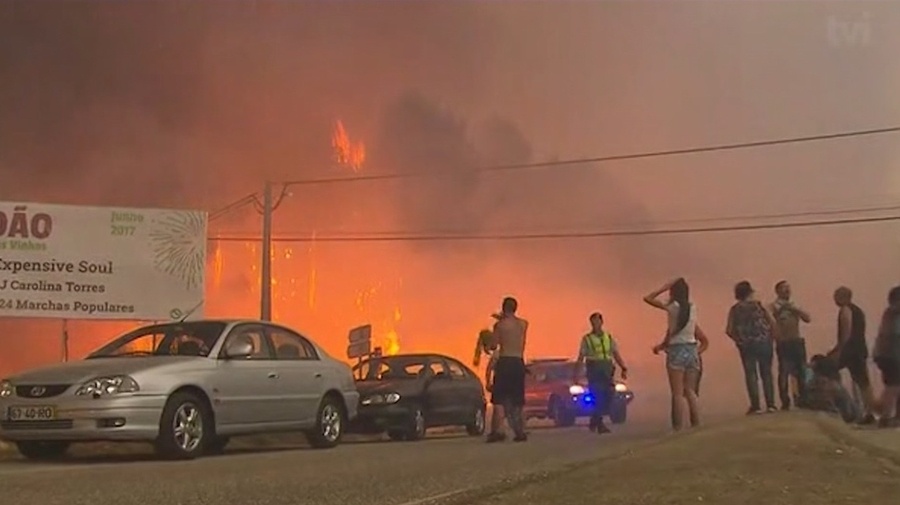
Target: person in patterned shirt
753,330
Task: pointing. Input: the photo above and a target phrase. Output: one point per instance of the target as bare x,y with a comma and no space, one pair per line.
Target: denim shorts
682,357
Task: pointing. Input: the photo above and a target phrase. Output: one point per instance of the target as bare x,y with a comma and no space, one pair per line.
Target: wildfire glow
311,282
346,152
218,264
374,304
392,340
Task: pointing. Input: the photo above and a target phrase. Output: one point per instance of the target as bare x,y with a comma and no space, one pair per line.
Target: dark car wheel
618,412
43,450
475,427
329,424
415,427
183,427
562,417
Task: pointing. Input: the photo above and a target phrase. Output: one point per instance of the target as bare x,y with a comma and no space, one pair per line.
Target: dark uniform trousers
600,384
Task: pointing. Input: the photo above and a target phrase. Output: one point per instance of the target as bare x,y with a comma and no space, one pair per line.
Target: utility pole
266,270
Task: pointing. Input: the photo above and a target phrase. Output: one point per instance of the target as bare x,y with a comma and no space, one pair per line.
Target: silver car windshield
175,339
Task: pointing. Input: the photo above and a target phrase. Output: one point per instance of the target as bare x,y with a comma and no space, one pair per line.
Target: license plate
34,413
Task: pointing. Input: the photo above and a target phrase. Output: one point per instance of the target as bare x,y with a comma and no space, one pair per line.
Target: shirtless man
507,379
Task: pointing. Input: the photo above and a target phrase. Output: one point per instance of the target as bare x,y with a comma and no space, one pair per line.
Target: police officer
600,354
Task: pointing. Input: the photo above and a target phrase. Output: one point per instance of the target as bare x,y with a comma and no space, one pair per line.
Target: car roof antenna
188,313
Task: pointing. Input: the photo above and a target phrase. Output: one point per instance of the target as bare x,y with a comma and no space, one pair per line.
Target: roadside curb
842,434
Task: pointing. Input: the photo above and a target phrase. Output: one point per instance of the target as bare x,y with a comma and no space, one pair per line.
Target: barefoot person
683,344
508,372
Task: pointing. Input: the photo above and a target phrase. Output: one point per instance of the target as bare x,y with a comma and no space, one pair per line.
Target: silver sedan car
187,387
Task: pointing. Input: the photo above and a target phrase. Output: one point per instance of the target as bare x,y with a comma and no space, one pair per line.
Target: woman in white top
683,344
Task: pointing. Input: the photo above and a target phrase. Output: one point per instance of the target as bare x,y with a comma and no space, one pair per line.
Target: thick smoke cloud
419,135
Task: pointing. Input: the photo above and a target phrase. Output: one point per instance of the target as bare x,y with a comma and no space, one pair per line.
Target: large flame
346,152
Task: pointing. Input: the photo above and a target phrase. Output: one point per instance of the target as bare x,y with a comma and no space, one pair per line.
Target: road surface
365,473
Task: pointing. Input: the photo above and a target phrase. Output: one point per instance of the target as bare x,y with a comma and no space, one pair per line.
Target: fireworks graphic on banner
178,240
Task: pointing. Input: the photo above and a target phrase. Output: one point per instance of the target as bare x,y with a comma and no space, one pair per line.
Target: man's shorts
682,357
509,382
791,351
890,371
858,368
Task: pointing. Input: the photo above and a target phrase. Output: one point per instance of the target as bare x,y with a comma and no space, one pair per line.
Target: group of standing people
761,332
764,333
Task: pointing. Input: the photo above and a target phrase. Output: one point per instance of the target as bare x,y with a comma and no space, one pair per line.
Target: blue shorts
682,357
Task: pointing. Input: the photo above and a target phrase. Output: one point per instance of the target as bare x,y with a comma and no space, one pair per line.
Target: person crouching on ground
825,392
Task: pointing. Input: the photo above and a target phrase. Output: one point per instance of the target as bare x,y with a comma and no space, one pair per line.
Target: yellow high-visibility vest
600,346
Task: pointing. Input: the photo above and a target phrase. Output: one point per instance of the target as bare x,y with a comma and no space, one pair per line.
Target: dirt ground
777,459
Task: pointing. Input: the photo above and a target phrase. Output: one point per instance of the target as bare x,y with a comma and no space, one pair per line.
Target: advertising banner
73,262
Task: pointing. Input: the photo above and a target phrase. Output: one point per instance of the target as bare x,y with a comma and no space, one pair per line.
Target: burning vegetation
347,153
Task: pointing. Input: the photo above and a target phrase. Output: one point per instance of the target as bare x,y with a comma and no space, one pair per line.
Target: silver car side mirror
238,349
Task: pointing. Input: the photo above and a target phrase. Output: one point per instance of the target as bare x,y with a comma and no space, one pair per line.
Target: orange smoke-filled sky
194,105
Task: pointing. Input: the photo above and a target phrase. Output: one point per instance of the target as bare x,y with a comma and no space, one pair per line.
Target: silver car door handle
318,376
273,375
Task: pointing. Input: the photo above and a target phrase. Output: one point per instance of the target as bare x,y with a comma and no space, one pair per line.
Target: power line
241,202
603,159
568,235
745,217
252,198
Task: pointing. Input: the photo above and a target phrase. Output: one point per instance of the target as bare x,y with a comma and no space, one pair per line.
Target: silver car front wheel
183,427
188,427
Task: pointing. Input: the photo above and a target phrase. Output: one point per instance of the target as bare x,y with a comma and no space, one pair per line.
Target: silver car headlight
385,399
112,385
6,389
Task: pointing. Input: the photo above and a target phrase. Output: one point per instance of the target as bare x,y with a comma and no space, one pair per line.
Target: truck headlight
111,385
385,399
576,390
6,389
621,388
